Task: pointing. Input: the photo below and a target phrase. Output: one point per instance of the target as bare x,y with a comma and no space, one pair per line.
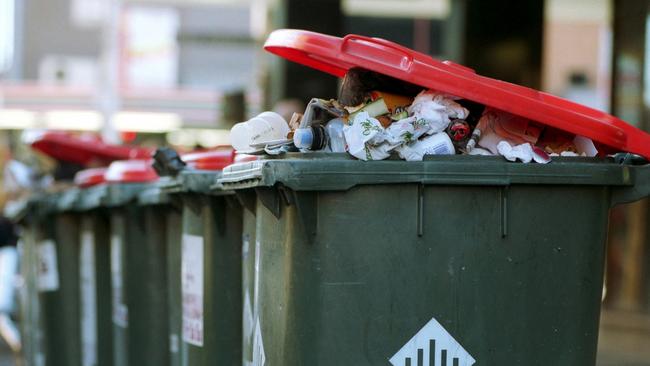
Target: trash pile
377,117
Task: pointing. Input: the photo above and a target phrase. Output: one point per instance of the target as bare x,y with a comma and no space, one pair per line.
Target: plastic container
267,127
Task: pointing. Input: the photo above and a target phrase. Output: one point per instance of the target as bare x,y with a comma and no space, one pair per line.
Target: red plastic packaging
84,150
131,171
336,56
90,177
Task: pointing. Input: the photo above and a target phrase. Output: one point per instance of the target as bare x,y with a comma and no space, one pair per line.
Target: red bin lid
83,150
336,56
90,177
131,171
210,160
242,158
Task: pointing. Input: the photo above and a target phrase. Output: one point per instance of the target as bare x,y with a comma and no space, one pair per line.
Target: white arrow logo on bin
434,346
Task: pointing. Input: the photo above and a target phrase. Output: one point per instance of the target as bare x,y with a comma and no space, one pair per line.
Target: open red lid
90,177
336,56
131,171
83,150
210,160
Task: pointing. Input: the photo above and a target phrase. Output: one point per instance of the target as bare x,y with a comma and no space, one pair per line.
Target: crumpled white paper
435,110
431,114
523,152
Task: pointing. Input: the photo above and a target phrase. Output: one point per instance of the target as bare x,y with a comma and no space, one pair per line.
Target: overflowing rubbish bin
206,263
450,260
482,260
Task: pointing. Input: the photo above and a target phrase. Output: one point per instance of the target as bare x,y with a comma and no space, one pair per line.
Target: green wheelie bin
454,260
162,217
138,268
95,309
61,306
207,283
49,268
63,243
22,212
366,264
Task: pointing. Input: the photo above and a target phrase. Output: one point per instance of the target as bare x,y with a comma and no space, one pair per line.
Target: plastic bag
366,138
435,110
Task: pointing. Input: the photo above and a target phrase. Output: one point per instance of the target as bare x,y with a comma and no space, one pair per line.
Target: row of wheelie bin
321,259
294,261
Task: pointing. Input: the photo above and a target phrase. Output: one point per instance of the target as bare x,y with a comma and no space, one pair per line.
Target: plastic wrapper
524,152
366,138
496,126
438,144
407,130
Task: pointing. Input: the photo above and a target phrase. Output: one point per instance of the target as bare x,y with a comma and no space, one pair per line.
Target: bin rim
336,172
190,181
68,199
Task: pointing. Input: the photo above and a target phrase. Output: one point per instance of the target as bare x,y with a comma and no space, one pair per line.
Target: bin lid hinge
270,198
247,199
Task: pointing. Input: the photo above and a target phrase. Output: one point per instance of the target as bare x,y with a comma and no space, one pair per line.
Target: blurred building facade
203,69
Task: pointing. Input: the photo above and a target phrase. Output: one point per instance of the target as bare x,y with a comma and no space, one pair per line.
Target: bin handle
640,176
393,55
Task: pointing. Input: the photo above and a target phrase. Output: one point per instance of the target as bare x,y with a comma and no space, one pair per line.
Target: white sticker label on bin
120,311
248,319
174,347
259,356
192,289
432,345
88,289
39,359
48,273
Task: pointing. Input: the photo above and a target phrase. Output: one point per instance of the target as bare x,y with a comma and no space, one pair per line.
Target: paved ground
624,340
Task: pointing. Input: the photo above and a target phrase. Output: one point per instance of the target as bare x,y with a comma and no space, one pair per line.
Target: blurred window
7,26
